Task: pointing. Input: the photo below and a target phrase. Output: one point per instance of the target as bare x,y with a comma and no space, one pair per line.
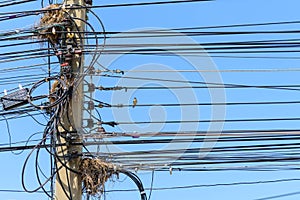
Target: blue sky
218,12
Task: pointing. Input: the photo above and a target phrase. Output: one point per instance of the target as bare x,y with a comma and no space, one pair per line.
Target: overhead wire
188,159
280,196
207,84
213,185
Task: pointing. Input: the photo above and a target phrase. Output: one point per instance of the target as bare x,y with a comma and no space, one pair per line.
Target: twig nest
49,23
94,174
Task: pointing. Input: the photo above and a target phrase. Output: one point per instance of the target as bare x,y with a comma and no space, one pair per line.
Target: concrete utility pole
68,184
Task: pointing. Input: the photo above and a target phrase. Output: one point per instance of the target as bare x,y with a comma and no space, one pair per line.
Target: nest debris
53,15
94,174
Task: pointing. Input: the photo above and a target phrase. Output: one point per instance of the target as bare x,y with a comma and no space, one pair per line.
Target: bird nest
94,174
52,16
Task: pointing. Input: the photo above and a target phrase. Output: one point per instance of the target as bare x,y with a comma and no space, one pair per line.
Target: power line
213,185
204,121
207,84
17,191
280,196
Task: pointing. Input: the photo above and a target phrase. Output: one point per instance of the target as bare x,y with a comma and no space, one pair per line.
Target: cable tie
171,170
143,192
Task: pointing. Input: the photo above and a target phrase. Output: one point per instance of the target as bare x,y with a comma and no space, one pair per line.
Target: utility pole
68,184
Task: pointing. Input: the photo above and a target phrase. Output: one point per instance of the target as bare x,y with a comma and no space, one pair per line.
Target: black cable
205,121
280,196
147,3
17,191
15,3
213,185
199,104
198,140
20,116
35,119
36,12
24,168
137,181
57,99
9,135
208,84
229,26
37,169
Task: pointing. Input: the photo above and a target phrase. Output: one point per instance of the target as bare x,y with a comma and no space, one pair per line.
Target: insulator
91,87
90,123
91,105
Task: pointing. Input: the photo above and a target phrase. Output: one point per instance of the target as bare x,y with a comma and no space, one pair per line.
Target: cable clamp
171,170
118,71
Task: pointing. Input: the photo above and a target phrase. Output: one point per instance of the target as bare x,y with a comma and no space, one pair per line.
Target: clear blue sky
218,12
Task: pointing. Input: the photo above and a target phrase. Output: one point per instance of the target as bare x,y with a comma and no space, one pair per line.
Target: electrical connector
15,99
